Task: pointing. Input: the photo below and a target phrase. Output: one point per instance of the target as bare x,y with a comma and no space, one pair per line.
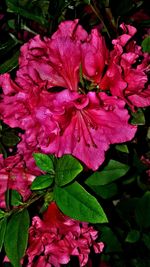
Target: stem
99,16
33,199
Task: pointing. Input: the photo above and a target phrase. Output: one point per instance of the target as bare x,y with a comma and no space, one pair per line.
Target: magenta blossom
68,123
53,240
14,175
56,60
94,57
127,76
65,122
89,124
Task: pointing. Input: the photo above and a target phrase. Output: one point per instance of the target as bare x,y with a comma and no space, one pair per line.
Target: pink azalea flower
55,61
14,175
131,81
53,240
68,123
94,57
90,123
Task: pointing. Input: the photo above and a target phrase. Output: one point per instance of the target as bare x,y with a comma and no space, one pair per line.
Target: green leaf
105,191
87,2
3,224
110,239
26,10
10,139
76,202
2,214
10,64
16,237
138,117
113,171
15,198
133,236
44,162
142,209
146,44
122,148
42,182
67,169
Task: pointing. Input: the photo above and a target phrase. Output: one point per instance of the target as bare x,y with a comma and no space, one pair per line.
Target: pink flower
126,77
14,175
68,122
89,124
53,240
55,61
94,57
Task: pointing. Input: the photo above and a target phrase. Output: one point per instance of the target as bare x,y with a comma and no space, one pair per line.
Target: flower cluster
69,93
53,240
131,67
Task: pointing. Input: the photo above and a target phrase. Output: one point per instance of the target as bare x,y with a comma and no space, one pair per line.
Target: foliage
116,197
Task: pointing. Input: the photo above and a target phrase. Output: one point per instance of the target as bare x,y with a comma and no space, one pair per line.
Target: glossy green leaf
138,117
16,237
42,182
10,64
133,236
15,198
3,224
146,44
44,162
122,148
113,171
142,213
76,202
105,191
67,169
